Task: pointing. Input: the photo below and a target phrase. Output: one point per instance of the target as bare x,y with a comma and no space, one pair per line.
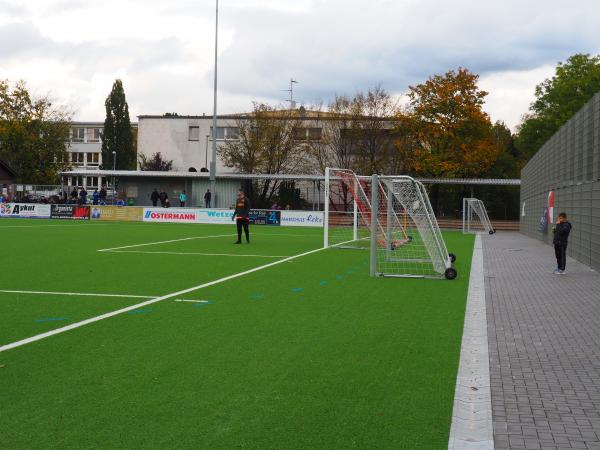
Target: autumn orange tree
444,131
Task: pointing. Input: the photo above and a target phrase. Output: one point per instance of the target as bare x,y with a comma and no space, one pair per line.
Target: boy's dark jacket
561,233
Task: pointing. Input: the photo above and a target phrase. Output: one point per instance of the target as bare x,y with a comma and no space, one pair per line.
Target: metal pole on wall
213,162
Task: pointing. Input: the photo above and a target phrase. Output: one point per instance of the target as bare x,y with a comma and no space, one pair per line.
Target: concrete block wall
569,165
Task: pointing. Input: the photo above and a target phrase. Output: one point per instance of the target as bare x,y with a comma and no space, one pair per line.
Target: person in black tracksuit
241,215
561,238
154,197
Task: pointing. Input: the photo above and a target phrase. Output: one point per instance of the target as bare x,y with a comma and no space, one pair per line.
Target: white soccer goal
390,217
348,212
424,253
475,217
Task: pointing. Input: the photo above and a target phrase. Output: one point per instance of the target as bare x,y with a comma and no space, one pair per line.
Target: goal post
348,211
423,253
475,217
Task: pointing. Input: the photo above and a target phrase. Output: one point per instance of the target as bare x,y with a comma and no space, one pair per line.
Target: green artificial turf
310,353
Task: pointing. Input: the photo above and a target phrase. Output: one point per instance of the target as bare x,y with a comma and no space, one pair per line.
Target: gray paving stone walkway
544,346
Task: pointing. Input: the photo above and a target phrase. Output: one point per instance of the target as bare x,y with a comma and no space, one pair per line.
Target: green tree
557,100
156,162
117,135
34,134
509,160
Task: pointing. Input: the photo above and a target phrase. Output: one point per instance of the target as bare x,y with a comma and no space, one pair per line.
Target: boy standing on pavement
241,215
561,238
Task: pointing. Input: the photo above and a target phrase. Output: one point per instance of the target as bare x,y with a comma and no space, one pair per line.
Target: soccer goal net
390,218
423,253
348,212
475,217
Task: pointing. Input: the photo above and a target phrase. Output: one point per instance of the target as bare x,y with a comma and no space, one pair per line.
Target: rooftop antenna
291,91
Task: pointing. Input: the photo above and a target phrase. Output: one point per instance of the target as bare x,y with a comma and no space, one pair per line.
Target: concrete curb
471,427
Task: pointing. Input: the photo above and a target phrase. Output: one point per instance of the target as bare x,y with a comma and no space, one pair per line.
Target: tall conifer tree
117,135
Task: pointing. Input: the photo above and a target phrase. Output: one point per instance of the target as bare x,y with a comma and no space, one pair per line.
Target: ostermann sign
170,215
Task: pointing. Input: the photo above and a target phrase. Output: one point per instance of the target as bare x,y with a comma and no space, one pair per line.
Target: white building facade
186,140
85,152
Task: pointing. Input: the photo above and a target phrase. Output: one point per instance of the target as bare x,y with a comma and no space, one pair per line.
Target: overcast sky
163,49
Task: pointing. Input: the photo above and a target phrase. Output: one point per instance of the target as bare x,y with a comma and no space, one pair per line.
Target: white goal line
82,323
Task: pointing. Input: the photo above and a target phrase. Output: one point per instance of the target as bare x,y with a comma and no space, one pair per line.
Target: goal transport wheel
492,231
450,273
452,257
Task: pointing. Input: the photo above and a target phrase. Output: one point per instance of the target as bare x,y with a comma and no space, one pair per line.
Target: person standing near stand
207,198
241,215
102,196
154,197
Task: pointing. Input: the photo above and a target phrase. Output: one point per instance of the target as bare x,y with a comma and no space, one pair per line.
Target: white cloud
164,50
511,93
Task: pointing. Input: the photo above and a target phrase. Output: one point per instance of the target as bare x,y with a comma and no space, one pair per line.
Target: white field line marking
57,225
287,234
75,294
192,253
165,242
191,301
155,300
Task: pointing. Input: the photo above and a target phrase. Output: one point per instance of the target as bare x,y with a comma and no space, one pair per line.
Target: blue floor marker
257,297
339,277
297,289
202,305
323,282
140,311
51,319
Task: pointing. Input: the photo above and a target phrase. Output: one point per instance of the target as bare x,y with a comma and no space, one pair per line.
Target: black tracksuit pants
560,251
243,223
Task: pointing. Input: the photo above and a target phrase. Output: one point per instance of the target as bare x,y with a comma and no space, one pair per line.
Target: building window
314,134
78,159
92,134
93,159
194,134
77,134
232,133
299,134
76,181
92,182
307,134
227,133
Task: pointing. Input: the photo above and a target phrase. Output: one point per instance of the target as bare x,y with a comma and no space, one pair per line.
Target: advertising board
173,215
123,213
301,218
24,210
77,212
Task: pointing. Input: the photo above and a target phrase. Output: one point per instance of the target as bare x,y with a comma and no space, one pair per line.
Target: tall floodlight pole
213,162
